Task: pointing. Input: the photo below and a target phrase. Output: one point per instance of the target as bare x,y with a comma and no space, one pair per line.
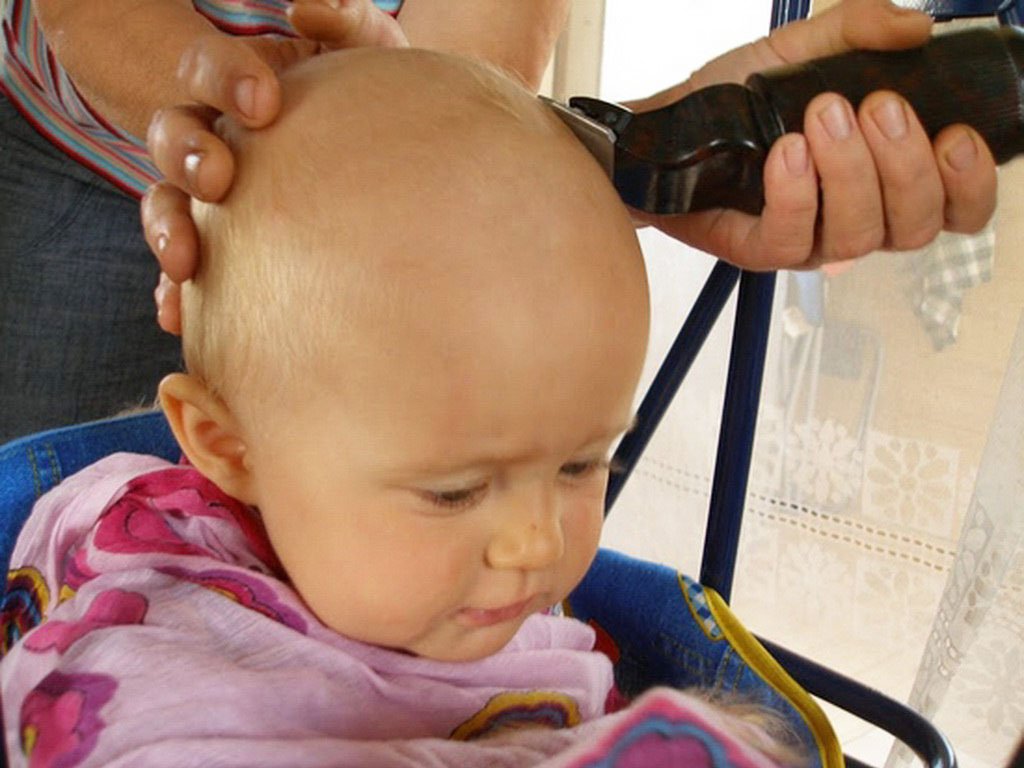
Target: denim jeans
78,332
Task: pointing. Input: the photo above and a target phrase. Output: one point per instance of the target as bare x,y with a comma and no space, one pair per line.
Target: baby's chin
468,646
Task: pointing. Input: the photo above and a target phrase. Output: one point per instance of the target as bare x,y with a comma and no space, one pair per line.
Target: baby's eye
458,498
581,469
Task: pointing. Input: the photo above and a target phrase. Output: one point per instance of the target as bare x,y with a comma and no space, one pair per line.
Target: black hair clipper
707,150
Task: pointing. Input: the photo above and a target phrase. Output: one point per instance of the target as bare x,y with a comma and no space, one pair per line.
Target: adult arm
124,56
516,36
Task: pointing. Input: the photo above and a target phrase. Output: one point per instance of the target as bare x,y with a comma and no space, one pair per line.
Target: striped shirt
38,86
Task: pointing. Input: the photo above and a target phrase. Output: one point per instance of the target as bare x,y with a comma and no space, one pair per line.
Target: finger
231,76
280,53
782,237
345,24
912,193
853,219
168,305
188,153
969,175
170,231
850,25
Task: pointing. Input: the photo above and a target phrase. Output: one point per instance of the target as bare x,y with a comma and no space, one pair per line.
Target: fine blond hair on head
362,197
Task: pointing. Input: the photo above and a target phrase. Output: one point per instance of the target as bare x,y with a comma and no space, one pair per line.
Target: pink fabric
165,635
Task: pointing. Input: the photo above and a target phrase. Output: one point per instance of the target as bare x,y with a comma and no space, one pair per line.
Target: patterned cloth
943,273
147,623
39,87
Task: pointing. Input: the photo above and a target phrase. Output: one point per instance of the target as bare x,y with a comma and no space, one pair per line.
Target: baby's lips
486,617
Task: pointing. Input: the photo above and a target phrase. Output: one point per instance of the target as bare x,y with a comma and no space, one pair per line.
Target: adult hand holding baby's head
236,76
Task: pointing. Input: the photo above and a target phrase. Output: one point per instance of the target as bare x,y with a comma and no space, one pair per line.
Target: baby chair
658,626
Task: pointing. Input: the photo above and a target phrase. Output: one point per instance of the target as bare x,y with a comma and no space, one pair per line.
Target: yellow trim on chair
757,658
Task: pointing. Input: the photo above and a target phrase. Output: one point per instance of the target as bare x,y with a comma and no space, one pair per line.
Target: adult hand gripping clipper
707,150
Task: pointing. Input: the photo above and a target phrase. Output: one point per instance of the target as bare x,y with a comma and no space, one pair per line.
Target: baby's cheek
430,572
582,528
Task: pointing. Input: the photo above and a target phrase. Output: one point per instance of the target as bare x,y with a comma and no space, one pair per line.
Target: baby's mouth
486,617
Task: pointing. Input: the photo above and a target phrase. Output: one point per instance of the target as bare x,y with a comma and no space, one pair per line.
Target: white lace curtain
884,519
883,526
971,675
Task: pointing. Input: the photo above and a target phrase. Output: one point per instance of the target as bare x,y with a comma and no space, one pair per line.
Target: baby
414,341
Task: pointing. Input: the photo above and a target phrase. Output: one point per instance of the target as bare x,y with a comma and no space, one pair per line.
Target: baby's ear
208,433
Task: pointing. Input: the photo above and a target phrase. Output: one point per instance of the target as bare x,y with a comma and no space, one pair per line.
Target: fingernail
161,243
795,156
963,154
891,118
192,163
836,120
159,293
245,96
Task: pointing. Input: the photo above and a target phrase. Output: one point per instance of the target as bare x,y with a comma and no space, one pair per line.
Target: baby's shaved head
405,203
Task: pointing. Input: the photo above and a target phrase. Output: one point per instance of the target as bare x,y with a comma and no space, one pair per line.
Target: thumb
852,24
236,75
346,24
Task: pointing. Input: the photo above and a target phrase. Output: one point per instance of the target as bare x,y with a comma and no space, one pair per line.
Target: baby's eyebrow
616,433
469,465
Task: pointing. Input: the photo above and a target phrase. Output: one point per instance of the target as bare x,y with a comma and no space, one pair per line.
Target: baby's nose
530,535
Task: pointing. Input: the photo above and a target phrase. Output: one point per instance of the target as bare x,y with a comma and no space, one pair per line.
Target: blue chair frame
42,460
